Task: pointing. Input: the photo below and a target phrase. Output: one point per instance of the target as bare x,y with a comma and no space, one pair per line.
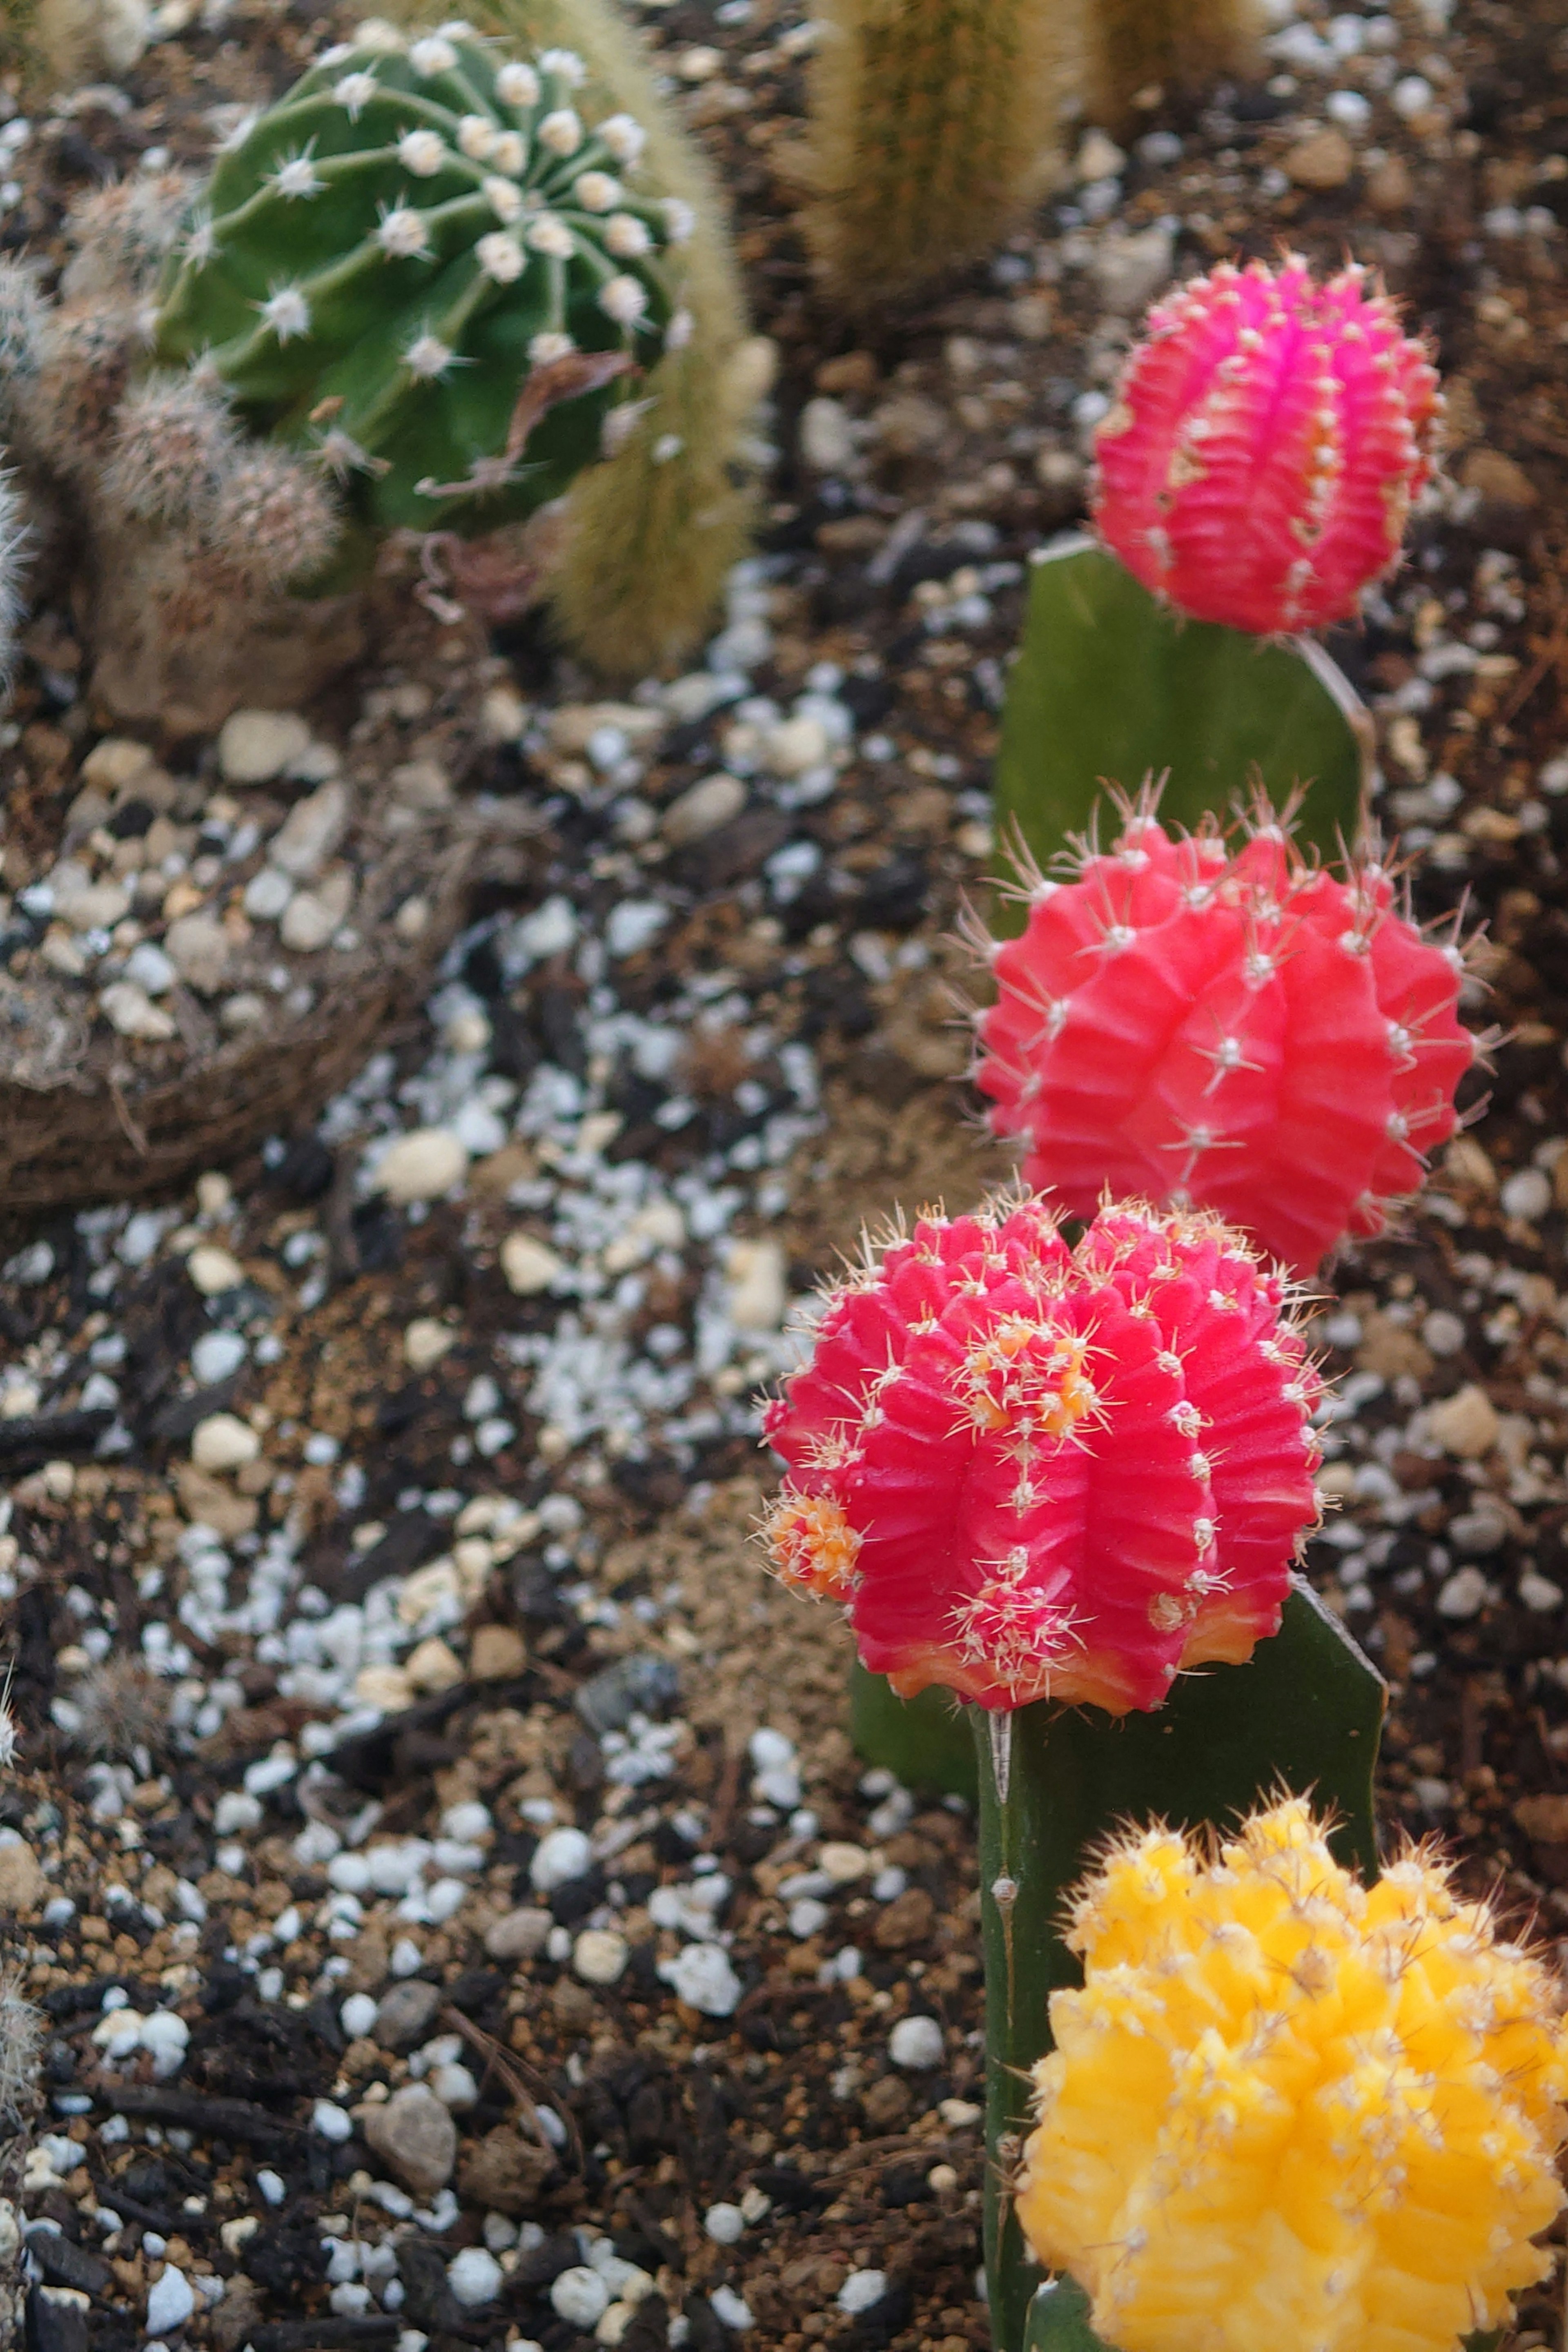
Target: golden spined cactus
933,132
650,534
1288,2111
1179,49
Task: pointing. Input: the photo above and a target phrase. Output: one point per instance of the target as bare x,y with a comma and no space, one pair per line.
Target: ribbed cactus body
426,265
933,126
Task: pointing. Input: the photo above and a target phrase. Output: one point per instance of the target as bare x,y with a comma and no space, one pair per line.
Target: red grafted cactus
1267,440
1243,1033
1033,1471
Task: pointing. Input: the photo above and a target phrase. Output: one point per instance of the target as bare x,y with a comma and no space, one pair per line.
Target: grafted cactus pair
443,282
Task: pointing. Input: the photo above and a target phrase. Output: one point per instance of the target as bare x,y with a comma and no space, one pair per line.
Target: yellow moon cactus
1289,2111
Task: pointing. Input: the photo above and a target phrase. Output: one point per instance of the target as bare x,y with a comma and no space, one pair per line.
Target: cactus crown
424,265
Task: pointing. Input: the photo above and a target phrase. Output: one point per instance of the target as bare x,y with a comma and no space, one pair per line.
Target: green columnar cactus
424,266
933,126
1177,48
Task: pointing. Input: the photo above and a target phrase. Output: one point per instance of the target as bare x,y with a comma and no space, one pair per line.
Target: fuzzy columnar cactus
426,267
1267,440
1033,1471
1176,48
1285,2109
13,540
933,129
1241,1032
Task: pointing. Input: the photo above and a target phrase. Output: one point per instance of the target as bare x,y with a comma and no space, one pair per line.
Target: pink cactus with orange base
1030,1470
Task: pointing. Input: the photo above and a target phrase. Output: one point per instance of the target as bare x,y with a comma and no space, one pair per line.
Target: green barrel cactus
424,267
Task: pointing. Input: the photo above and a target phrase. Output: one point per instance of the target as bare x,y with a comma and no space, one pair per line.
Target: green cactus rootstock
1112,687
933,129
426,266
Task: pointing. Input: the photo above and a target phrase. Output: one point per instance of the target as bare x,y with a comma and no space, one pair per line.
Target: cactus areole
426,265
1267,440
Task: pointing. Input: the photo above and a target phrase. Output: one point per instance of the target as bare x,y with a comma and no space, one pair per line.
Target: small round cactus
1286,2109
1245,1032
1267,440
1035,1472
424,265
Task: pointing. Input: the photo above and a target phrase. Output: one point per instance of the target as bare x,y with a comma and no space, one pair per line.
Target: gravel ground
456,1913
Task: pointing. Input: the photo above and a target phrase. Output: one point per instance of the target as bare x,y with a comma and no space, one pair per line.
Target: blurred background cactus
1140,53
435,285
50,43
933,127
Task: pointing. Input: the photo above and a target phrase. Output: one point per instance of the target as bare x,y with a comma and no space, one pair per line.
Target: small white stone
149,968
756,1296
311,832
519,1935
216,1356
1443,1333
253,746
703,808
860,2290
214,1271
171,2301
1527,1194
827,436
198,947
308,923
600,1955
916,2042
131,1012
703,1978
580,2296
1464,1425
1099,157
425,1342
97,907
633,924
422,1165
731,2310
1466,1592
794,745
529,1267
844,1863
724,2223
223,1441
1539,1592
331,2121
474,2277
560,1857
357,2015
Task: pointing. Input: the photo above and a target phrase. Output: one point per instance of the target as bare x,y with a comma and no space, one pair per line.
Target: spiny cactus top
1034,1472
1247,1032
1265,442
1286,2110
425,263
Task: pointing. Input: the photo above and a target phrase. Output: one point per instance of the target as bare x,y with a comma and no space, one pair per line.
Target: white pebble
170,2300
1466,1592
214,1270
474,2277
1527,1194
423,1165
529,1267
560,1857
580,2296
357,2015
1539,1592
1411,96
223,1441
861,2290
702,1977
730,2309
331,2122
599,1956
723,2223
1443,1333
253,746
215,1355
916,2042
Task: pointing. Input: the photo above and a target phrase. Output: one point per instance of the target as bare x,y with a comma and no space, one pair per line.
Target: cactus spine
1179,48
932,127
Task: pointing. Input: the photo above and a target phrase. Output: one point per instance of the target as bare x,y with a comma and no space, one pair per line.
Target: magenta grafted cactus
1268,439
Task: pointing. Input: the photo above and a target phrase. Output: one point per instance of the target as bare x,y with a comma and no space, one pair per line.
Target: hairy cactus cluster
1244,1032
1029,1471
426,270
1267,440
1285,2109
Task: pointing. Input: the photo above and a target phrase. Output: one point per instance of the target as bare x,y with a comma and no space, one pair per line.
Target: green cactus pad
423,264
